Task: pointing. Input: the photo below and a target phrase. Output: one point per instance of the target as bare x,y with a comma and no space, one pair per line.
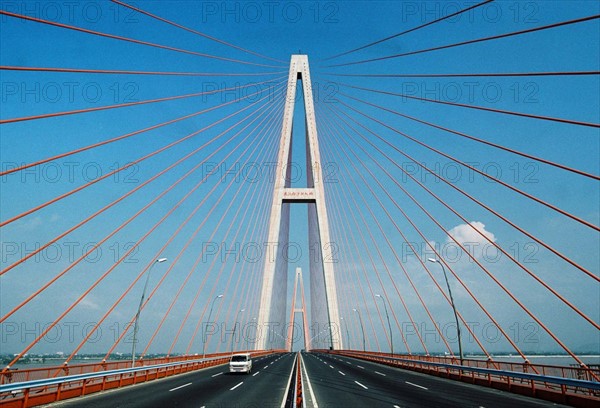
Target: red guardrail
577,396
44,395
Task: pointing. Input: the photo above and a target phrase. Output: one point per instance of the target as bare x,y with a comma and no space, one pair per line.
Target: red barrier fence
34,396
521,378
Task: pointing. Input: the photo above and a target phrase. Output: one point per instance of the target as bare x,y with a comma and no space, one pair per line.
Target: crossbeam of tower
323,289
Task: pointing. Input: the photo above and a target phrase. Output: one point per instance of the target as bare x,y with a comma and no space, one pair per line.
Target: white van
240,363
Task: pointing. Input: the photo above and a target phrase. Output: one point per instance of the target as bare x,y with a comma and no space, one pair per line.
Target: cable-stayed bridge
417,212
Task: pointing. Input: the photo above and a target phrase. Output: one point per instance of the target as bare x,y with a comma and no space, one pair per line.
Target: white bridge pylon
275,274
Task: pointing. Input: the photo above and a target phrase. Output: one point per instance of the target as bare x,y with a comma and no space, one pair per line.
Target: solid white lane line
341,373
256,373
416,385
287,389
310,389
216,375
361,385
181,386
377,372
231,389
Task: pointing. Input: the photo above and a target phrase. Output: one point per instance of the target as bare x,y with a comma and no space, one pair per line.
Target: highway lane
210,388
347,382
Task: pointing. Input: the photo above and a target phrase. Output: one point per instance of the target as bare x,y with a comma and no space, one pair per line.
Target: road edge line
310,389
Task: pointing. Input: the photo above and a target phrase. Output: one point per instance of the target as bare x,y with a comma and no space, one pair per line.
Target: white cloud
474,242
30,224
465,233
88,303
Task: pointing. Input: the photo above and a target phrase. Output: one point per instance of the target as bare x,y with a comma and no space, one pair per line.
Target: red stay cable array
131,40
164,20
478,40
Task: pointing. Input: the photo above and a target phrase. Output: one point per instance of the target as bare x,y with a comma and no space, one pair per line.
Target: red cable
539,241
395,253
462,105
116,106
194,31
510,187
346,234
234,292
479,140
510,294
420,233
525,269
190,309
490,74
173,236
130,219
128,165
210,296
82,149
338,137
109,271
346,283
214,206
366,224
117,37
410,30
495,37
128,72
38,250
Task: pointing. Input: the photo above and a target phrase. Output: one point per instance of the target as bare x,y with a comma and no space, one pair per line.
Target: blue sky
321,30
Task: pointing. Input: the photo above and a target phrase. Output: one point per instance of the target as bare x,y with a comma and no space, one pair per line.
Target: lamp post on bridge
137,315
388,320
207,323
362,328
347,334
234,327
460,352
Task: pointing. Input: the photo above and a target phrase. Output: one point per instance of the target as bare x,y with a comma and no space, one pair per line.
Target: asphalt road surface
338,381
333,382
213,387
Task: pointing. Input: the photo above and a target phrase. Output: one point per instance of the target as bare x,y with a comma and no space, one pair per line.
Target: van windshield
239,358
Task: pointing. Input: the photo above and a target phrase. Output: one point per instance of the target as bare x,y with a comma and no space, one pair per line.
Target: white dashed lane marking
181,386
416,385
233,388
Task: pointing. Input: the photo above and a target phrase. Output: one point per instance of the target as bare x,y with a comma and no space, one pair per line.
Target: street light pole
137,315
207,323
362,328
234,327
460,352
389,325
347,334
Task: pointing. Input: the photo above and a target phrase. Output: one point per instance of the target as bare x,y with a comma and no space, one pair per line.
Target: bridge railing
571,385
30,374
91,378
577,373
